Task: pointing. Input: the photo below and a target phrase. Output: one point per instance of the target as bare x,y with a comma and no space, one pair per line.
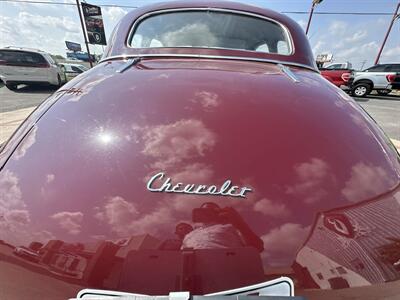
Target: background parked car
26,253
382,78
28,66
338,74
72,70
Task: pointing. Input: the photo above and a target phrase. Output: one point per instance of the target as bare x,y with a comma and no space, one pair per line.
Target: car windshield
211,29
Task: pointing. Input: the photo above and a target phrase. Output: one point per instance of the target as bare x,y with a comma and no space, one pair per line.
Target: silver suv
379,78
28,66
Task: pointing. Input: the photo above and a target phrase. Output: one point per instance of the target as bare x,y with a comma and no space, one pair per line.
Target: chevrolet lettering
226,189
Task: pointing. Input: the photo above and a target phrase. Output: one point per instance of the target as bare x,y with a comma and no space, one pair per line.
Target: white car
72,70
383,78
28,66
339,66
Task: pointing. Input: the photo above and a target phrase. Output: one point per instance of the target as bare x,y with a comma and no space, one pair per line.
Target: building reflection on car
218,242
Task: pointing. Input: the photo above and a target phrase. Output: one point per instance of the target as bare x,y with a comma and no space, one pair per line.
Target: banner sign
326,57
94,24
73,46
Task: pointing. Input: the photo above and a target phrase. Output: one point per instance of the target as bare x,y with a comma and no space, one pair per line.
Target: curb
9,121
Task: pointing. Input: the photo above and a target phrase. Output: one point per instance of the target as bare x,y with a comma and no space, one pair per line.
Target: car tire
383,92
361,89
12,86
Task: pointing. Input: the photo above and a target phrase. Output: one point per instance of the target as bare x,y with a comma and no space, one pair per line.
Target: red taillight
345,77
390,77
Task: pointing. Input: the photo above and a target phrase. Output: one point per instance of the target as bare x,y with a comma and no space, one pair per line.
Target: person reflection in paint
181,230
220,228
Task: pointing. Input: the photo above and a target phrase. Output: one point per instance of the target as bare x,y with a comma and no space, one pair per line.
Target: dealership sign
94,24
73,46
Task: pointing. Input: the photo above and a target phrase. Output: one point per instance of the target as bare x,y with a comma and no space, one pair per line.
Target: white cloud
208,100
114,13
391,54
46,23
319,47
356,41
303,24
312,179
50,178
125,220
118,213
357,36
10,196
366,181
174,143
70,221
281,243
28,141
271,209
46,27
363,50
338,28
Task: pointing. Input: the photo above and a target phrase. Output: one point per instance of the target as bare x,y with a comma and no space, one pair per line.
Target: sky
354,38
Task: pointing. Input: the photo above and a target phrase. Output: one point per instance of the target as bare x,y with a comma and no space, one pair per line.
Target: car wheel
11,86
383,92
361,90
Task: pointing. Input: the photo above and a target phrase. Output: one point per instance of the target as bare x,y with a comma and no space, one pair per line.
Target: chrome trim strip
267,288
106,294
263,60
288,73
130,62
261,288
156,12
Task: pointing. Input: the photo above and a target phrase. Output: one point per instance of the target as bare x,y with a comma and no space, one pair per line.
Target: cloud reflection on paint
365,180
69,221
313,177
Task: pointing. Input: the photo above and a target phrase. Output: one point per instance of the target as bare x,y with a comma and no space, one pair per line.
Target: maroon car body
199,169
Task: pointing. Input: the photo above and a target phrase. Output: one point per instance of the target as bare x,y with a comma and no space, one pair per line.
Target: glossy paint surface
77,210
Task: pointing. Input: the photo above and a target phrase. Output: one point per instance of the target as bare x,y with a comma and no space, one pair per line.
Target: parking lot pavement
15,106
386,112
24,97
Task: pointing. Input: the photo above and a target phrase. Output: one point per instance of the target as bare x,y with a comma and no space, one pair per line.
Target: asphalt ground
17,104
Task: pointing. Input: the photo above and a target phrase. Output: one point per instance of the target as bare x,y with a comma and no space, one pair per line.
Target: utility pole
314,3
396,15
84,33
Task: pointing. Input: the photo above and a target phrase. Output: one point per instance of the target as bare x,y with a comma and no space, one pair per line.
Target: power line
64,3
285,12
336,13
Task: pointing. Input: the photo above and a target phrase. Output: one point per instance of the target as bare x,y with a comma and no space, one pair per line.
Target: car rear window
21,58
394,68
211,29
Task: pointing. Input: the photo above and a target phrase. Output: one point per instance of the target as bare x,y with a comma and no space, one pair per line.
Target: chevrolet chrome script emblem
158,183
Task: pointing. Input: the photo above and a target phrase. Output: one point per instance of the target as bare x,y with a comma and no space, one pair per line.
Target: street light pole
396,15
314,3
84,33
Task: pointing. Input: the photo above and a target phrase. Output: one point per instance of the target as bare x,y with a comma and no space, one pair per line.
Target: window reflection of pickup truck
338,74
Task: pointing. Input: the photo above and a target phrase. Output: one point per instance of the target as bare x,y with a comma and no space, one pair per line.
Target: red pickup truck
338,74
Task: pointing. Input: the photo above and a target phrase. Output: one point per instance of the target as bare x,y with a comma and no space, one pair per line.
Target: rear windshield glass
211,29
21,58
